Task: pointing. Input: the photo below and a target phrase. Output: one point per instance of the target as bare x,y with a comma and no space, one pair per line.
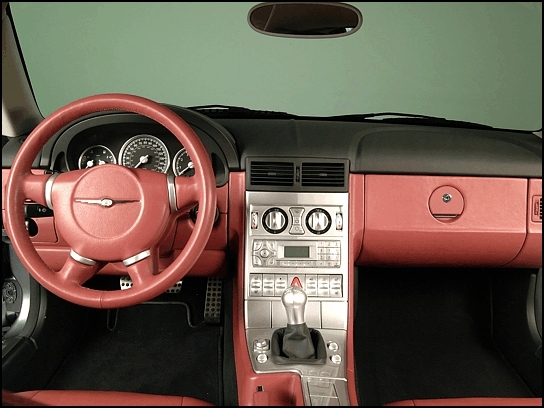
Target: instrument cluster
162,153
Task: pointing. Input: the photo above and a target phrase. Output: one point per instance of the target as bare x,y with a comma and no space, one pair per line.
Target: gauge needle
190,165
143,159
89,164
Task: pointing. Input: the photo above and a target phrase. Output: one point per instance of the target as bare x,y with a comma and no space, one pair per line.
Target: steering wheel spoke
37,187
77,270
186,189
143,268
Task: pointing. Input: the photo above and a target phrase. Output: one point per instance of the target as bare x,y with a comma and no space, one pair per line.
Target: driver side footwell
426,333
149,348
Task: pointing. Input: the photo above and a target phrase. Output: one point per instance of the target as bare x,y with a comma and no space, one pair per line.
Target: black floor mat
152,349
426,334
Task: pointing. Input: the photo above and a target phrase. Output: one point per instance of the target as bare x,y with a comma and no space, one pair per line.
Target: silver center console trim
305,252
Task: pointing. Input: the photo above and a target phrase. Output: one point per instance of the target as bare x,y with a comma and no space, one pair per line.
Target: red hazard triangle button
296,282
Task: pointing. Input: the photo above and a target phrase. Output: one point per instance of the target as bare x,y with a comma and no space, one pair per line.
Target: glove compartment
443,221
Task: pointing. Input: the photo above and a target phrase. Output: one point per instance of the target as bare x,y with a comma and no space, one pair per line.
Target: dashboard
493,176
311,201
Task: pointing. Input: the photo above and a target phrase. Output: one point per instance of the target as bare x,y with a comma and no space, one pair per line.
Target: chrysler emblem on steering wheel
105,202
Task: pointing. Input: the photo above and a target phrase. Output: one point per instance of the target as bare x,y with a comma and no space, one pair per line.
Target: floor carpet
427,334
162,347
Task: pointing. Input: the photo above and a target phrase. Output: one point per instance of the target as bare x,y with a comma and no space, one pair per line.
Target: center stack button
296,221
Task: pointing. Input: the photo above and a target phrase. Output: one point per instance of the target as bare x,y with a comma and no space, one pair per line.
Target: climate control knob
275,220
318,221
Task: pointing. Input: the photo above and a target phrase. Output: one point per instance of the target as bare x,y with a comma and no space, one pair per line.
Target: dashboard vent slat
323,174
269,173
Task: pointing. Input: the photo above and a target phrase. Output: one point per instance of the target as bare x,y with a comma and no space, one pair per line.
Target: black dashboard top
380,148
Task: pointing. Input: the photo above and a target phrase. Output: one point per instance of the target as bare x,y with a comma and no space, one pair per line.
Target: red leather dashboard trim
458,402
530,255
279,388
356,230
400,229
218,237
46,228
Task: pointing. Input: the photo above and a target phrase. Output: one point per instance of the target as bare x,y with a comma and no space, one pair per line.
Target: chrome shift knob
294,300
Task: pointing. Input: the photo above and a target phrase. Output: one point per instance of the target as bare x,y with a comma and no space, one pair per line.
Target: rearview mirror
305,20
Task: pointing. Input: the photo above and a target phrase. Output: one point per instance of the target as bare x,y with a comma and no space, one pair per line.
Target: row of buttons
261,346
273,262
272,245
268,284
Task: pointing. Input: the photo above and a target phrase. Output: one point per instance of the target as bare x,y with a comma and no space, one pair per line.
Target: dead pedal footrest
212,309
126,283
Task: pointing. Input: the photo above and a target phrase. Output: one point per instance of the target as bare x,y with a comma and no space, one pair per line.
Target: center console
298,240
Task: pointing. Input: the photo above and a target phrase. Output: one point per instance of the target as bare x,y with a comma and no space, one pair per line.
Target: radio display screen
296,252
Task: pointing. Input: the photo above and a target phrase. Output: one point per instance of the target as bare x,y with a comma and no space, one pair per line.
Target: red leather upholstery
482,402
96,398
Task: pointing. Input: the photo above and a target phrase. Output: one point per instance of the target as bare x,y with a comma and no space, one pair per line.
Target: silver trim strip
82,259
49,189
136,258
172,199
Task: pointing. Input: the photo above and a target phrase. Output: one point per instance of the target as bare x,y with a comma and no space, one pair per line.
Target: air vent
323,175
297,174
271,173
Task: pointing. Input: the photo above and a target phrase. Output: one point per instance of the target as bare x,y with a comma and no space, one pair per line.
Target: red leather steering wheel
111,213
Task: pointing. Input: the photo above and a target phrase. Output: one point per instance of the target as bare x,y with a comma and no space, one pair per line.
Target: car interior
178,253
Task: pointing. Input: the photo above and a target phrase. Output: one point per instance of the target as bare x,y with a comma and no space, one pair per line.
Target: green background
479,62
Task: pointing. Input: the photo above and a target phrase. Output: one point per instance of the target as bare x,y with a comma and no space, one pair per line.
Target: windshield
475,62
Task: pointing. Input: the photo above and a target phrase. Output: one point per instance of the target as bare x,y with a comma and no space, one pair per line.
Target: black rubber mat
427,334
149,348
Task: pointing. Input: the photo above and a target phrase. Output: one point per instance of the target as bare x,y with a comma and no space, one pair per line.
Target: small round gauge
145,152
94,156
182,165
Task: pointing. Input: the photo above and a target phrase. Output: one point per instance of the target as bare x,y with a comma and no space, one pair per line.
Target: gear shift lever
297,340
296,343
294,300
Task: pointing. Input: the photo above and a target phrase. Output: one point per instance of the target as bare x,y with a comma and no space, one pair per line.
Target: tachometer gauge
182,164
145,152
94,156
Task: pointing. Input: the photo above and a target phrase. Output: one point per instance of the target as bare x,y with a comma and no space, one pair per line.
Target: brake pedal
126,283
212,309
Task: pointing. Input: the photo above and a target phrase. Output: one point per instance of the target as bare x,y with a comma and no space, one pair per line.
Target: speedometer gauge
145,152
